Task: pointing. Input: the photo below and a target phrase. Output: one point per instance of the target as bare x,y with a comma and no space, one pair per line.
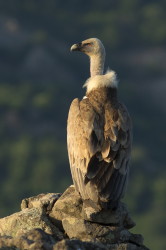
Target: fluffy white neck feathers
99,81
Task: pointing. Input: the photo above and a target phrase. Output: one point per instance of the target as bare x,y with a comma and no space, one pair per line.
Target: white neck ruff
99,81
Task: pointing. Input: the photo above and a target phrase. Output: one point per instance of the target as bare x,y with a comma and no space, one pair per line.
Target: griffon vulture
99,134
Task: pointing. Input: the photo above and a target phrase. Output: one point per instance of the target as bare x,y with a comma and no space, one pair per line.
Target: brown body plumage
99,144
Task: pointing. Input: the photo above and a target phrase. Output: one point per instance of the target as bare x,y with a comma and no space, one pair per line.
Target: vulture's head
90,47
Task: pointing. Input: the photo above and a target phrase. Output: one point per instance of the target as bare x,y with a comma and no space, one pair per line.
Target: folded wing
99,145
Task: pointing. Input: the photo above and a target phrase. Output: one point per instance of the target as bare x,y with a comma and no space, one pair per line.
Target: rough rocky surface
33,239
71,204
55,222
26,220
43,201
84,230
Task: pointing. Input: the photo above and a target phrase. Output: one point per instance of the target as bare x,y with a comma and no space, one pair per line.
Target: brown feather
99,144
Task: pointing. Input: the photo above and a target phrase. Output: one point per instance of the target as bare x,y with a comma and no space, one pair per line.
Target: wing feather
99,148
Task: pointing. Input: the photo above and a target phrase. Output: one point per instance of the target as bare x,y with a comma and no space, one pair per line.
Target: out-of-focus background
39,77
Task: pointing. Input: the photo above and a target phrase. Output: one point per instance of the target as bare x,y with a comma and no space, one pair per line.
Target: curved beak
76,47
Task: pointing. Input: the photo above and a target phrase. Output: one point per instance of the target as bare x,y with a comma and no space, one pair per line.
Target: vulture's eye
87,44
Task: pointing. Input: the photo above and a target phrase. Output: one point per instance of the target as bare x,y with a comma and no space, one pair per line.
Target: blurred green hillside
39,77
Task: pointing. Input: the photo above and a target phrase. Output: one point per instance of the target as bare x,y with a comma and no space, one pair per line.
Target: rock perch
55,222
